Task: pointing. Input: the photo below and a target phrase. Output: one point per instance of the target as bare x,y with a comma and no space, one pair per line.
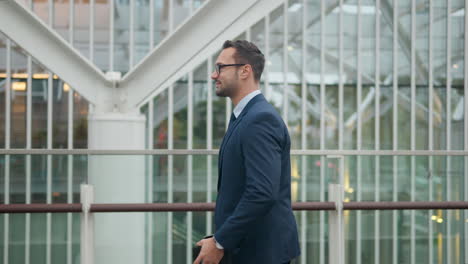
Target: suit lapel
230,131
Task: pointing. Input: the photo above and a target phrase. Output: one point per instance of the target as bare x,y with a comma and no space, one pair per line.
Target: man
253,214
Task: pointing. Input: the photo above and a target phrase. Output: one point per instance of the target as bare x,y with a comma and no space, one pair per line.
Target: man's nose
214,75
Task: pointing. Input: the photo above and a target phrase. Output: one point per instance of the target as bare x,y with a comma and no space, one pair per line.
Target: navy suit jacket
253,215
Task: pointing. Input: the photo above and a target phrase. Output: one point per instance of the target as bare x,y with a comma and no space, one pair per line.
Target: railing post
87,225
336,225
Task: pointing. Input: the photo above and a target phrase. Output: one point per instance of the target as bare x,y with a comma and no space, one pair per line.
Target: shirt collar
241,105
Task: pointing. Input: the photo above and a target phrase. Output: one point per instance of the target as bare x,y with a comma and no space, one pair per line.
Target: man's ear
246,70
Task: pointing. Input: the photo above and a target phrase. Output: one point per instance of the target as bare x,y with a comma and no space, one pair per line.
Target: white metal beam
22,25
190,44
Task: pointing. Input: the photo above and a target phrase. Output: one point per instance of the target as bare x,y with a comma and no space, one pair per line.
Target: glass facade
361,75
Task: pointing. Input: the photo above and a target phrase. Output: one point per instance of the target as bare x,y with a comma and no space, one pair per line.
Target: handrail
205,207
215,152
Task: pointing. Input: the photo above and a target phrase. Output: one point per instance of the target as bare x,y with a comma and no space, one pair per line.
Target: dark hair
248,53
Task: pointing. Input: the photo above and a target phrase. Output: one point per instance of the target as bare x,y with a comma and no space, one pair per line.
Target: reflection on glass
276,61
101,33
60,93
16,243
313,117
81,29
38,178
80,121
41,8
367,114
18,97
181,11
39,112
160,121
180,113
200,96
2,89
61,17
141,30
350,117
59,178
161,14
331,117
439,118
79,176
122,36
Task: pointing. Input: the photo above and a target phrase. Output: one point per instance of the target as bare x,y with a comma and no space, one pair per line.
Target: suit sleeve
261,149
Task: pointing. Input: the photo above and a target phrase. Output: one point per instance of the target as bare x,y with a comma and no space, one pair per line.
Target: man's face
227,79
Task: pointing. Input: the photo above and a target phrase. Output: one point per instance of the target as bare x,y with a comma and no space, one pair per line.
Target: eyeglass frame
218,67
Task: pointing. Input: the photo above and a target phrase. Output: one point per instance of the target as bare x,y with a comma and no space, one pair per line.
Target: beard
226,89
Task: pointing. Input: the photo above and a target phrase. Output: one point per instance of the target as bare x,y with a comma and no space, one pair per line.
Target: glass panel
62,17
422,75
81,29
180,113
122,36
17,176
181,11
294,74
179,225
161,18
38,178
39,111
440,74
386,79
102,33
59,178
349,117
313,41
60,114
41,9
200,96
3,88
160,120
276,61
404,75
2,181
141,29
457,75
16,243
80,121
18,97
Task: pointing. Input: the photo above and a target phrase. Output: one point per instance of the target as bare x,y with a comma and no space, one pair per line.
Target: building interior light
40,75
440,220
455,66
350,190
19,75
18,86
290,48
3,75
66,87
434,217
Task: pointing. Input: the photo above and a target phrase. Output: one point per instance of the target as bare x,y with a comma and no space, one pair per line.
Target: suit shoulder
264,111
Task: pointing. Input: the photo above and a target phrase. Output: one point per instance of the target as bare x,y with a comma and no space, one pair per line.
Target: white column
119,237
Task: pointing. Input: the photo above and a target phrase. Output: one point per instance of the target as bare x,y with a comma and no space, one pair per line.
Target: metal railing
335,206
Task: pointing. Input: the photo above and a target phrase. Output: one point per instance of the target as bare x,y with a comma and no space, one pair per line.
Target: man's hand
209,253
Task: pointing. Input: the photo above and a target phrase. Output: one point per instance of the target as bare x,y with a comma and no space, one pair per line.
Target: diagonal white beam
54,53
190,44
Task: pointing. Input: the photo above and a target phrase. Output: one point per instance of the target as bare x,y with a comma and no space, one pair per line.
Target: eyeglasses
218,67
